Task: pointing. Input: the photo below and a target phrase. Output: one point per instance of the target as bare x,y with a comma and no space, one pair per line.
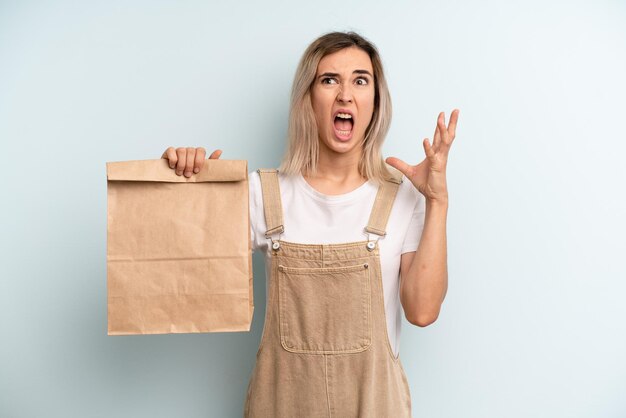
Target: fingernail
196,170
187,173
178,172
172,166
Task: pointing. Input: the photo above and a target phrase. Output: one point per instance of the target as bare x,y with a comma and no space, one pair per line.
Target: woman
348,242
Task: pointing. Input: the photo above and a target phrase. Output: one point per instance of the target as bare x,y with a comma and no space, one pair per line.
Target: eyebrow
353,72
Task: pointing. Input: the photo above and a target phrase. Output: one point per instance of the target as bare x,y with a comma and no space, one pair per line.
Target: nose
345,93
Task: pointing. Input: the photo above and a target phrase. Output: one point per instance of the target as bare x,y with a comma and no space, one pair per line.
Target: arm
424,273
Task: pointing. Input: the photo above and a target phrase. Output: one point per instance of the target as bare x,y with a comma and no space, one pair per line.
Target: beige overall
325,350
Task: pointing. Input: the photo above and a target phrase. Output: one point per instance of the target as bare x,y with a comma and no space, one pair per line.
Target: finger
215,154
443,132
449,133
437,133
199,160
428,149
454,117
181,153
170,156
400,165
191,157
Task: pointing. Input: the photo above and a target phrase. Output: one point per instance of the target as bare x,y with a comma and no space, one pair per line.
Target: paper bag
178,249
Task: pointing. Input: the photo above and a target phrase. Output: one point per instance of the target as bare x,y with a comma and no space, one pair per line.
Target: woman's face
343,99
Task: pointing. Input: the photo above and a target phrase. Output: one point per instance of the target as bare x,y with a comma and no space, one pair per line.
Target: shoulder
408,194
254,178
254,181
254,188
286,186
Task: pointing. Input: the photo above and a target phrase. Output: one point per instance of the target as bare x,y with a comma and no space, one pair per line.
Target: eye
362,81
329,80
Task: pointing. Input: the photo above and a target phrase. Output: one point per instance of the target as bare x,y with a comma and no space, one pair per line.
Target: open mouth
343,124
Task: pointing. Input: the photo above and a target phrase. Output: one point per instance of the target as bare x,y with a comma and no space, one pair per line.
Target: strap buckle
270,235
372,244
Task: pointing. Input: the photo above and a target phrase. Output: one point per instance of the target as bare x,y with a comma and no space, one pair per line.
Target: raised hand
429,176
188,160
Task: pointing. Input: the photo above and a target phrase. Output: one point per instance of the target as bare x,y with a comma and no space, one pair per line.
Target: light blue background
533,323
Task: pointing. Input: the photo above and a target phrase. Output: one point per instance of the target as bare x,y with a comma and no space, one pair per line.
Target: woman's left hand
429,176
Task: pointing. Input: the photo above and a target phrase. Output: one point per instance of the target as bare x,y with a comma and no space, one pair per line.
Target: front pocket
325,310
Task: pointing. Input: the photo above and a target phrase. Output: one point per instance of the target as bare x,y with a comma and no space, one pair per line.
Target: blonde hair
303,137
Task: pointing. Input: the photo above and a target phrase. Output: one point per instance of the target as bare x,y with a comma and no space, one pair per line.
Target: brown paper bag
178,249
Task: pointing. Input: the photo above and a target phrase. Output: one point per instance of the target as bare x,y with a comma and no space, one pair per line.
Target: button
275,245
371,245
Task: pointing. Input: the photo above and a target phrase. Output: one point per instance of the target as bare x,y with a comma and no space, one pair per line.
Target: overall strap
383,203
272,205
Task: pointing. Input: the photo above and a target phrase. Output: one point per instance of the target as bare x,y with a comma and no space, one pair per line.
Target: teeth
344,133
344,115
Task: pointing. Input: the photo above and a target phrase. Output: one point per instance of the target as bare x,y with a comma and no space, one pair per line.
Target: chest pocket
325,310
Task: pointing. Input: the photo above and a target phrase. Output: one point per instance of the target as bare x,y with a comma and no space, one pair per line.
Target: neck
337,173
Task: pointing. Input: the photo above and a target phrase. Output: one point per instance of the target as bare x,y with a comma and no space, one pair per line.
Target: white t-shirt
310,217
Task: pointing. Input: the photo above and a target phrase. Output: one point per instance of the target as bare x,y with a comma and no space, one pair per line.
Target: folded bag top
159,170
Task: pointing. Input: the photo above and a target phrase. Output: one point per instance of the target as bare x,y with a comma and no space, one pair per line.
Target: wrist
439,202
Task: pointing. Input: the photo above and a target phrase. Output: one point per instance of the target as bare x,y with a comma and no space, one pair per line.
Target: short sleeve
254,208
416,226
257,215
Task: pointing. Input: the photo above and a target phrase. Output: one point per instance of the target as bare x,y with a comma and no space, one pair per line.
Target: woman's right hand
188,160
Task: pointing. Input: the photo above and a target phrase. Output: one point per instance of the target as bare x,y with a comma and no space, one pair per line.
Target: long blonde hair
303,137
